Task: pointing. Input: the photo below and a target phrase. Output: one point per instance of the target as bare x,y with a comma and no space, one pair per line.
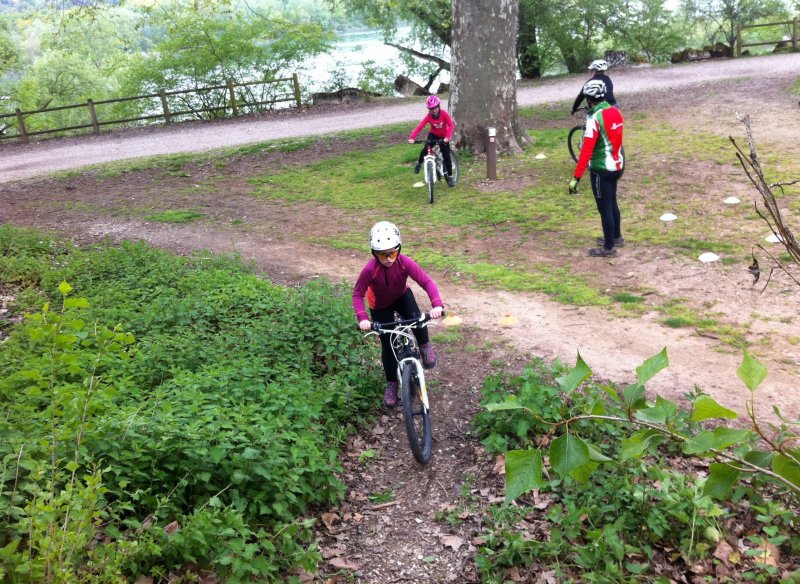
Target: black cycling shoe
451,182
417,168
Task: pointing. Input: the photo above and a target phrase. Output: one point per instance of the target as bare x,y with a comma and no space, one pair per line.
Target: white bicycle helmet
598,65
595,89
384,235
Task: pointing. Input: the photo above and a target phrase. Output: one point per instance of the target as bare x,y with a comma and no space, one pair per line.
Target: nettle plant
771,452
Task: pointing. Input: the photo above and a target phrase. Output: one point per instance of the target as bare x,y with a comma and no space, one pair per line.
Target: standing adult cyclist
602,152
442,127
598,69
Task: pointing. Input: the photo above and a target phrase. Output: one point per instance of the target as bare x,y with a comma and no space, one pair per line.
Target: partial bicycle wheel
430,177
574,141
417,418
454,160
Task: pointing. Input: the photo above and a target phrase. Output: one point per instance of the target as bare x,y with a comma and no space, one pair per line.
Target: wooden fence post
165,106
296,84
93,113
22,130
794,34
233,97
738,40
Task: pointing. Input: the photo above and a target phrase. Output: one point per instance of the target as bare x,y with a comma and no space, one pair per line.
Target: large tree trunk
483,74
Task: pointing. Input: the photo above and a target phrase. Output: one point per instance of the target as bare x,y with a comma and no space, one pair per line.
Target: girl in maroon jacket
384,283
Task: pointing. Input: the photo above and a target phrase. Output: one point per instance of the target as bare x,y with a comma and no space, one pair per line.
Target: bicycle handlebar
386,327
434,141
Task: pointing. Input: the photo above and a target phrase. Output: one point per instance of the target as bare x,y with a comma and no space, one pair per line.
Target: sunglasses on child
389,254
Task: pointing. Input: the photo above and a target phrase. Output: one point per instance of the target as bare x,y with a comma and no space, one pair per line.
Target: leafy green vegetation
624,505
146,391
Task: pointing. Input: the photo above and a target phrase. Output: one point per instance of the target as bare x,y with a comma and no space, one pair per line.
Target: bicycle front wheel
417,417
574,142
430,177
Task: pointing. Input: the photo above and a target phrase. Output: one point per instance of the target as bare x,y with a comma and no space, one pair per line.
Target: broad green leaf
575,377
658,413
76,303
72,466
584,471
612,393
512,403
699,444
636,444
64,288
760,458
787,468
751,372
523,472
720,480
634,397
725,437
706,408
653,365
567,453
597,456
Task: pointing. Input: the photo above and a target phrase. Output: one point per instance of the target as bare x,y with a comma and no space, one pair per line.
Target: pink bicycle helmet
432,102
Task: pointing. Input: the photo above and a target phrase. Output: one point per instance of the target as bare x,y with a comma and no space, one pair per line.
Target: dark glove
573,186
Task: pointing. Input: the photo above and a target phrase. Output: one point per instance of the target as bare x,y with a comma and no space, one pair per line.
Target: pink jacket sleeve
418,129
425,281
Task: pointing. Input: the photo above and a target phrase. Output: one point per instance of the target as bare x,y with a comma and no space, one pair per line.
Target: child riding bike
442,127
384,283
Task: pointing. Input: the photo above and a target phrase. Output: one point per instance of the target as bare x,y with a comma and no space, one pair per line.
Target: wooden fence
741,27
225,93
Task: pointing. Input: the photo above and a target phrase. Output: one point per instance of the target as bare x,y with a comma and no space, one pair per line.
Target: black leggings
445,148
406,307
604,187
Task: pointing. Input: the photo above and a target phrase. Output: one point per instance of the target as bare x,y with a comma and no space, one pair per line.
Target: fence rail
741,27
228,98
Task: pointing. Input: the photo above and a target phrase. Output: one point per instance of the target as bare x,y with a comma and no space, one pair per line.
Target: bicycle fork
429,158
423,390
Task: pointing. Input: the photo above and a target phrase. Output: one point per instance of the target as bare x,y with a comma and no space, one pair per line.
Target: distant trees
721,17
197,44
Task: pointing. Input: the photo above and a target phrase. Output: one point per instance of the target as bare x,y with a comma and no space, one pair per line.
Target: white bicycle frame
438,163
410,361
423,390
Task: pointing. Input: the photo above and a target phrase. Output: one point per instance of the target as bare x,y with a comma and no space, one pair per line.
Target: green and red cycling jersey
602,141
441,126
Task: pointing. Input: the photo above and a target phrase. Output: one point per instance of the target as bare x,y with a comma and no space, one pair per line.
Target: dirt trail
401,540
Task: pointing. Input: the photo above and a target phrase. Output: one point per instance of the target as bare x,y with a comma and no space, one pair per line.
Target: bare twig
772,217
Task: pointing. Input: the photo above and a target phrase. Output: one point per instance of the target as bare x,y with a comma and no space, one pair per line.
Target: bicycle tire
574,141
417,418
430,176
454,160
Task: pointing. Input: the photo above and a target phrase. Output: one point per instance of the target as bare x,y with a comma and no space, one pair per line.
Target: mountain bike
575,136
411,376
433,165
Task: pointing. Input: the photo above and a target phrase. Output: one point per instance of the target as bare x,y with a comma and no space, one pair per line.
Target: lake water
346,61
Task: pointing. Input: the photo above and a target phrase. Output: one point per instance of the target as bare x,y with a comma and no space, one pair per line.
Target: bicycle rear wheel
574,142
454,160
417,418
430,177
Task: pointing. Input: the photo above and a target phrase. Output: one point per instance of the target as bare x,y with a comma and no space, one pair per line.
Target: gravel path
19,161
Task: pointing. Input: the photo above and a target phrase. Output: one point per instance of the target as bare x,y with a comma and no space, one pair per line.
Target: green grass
175,216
